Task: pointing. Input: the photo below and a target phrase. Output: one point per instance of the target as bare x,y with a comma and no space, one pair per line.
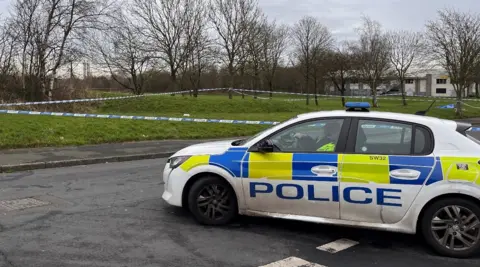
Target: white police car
387,171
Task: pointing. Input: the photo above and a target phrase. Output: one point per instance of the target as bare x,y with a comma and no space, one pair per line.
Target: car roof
377,114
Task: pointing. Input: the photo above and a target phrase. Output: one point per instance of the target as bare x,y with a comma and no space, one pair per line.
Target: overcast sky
342,16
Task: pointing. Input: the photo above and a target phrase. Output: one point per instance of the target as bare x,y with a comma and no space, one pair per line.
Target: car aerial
354,167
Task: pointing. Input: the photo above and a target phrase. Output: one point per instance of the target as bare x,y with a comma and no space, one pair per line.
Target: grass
39,131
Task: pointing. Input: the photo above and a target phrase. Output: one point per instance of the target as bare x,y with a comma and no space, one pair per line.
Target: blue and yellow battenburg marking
355,168
229,161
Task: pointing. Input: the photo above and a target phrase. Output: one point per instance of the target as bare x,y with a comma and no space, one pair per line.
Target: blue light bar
352,105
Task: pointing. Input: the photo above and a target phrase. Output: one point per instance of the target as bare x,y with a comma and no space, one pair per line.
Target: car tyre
212,201
452,218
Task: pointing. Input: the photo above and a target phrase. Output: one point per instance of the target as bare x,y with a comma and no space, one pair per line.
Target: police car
353,167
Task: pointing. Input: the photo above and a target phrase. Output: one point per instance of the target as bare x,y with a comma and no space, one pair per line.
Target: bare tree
372,54
122,51
254,48
455,45
406,48
24,19
311,39
202,57
171,26
50,31
8,53
340,68
232,21
274,45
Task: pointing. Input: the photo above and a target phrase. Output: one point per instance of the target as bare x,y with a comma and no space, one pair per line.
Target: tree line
151,45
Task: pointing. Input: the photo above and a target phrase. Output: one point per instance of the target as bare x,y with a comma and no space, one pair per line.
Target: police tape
172,119
326,96
258,97
130,117
388,96
101,98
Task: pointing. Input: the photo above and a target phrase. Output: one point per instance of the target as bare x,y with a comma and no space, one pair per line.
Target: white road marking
338,245
20,204
292,262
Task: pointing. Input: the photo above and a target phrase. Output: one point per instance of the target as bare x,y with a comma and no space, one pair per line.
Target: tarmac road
113,215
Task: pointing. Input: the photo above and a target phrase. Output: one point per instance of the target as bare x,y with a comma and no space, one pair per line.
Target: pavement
40,158
113,215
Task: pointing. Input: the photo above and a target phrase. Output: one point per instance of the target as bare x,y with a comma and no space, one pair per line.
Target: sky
342,16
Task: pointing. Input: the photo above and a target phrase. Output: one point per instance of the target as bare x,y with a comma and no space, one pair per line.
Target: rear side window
467,130
423,143
473,138
473,135
382,137
392,138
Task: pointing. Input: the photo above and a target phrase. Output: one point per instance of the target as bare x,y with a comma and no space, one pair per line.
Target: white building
432,82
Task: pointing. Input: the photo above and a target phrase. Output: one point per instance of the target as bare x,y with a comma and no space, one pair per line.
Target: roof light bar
357,106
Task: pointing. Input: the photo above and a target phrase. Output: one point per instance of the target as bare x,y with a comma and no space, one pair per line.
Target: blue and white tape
174,119
409,98
100,99
68,101
129,117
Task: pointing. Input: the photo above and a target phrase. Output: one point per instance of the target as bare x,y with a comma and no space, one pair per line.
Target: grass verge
18,131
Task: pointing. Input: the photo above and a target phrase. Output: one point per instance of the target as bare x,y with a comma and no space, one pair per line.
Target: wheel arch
199,175
440,197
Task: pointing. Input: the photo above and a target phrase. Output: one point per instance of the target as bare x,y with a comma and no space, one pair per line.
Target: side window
309,137
423,143
382,137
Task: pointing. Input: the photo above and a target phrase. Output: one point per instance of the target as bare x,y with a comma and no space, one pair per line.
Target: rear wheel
452,227
212,201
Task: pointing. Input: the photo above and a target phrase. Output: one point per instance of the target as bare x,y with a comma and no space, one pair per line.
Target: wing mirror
264,146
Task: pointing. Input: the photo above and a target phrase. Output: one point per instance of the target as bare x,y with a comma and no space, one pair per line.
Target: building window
409,81
441,81
441,90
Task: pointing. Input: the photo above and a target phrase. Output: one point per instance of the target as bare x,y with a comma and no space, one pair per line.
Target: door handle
405,174
323,170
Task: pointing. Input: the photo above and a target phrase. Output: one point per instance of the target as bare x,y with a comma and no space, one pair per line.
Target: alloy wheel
213,201
456,228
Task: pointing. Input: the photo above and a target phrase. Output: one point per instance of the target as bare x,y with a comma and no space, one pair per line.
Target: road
113,215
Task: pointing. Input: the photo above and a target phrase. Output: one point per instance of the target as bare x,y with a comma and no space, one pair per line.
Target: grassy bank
34,131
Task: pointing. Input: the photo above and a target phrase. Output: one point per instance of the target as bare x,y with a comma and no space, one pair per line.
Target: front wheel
452,227
212,201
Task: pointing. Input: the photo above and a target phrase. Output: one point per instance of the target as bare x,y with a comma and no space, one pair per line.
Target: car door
385,165
296,178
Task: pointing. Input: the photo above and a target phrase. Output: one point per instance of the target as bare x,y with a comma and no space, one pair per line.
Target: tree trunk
458,111
315,90
270,87
402,88
476,90
232,79
307,91
373,88
342,93
51,86
173,82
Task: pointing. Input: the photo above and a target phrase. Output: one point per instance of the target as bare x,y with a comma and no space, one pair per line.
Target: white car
380,170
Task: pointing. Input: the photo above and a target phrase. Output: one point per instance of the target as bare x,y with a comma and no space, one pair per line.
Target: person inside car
326,144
